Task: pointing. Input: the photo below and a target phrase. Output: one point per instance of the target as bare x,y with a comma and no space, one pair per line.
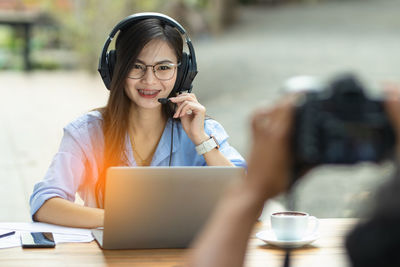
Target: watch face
215,140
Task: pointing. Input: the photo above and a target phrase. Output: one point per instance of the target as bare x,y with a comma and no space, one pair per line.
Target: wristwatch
207,146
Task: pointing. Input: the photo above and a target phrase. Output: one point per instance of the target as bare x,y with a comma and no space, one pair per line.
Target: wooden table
326,251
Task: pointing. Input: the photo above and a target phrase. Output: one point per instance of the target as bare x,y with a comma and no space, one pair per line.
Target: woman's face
145,91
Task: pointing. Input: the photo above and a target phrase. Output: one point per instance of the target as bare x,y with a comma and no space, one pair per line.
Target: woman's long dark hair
130,42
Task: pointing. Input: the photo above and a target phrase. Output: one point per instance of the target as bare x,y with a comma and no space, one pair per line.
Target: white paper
61,234
10,241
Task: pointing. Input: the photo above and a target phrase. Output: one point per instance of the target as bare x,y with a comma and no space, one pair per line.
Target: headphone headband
103,67
146,15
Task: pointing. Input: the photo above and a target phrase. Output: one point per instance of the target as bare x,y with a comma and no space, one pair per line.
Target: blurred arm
224,240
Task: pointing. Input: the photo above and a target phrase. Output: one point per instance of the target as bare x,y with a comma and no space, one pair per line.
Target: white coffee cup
292,225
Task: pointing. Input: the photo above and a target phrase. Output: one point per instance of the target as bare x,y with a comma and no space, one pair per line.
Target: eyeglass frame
154,71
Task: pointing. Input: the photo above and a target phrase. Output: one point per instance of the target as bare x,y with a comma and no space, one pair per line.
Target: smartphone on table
37,240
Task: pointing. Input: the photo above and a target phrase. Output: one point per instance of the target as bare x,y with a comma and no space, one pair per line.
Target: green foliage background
86,26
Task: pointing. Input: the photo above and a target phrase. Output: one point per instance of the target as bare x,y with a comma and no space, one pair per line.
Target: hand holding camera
269,165
335,123
392,107
339,124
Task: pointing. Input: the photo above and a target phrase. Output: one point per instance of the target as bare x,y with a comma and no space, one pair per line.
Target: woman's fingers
189,108
183,97
187,104
183,107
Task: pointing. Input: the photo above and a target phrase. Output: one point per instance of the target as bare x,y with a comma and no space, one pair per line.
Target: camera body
339,124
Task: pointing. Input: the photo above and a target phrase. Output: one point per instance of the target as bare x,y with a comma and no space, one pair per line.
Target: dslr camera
337,123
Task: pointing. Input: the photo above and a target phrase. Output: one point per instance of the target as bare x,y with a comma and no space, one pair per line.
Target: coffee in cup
292,225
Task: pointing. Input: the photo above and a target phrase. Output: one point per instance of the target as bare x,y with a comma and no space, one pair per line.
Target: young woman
133,129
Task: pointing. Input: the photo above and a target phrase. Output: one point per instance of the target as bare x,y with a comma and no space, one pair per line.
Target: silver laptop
160,207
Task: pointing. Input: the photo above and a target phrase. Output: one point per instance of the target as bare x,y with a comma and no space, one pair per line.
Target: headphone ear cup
181,75
191,72
111,59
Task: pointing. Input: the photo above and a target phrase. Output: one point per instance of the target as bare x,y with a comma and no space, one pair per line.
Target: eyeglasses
163,71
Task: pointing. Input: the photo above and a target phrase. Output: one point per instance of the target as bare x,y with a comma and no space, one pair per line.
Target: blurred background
245,49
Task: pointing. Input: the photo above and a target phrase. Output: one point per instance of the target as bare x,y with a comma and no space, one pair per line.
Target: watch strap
207,145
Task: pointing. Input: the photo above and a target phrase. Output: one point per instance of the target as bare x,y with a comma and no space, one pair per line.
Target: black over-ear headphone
187,69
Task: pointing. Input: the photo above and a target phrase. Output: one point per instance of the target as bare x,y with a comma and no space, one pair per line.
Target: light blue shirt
76,166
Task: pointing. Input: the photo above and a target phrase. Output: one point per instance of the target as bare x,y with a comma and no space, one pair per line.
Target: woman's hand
192,115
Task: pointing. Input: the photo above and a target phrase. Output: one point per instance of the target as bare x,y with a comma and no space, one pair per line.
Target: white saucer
270,238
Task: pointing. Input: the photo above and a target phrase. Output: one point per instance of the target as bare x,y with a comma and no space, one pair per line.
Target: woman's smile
148,93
